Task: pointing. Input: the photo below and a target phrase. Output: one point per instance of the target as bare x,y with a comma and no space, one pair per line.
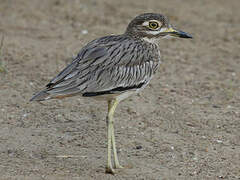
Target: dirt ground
184,125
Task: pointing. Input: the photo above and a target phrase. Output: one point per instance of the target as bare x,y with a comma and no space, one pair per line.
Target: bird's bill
177,33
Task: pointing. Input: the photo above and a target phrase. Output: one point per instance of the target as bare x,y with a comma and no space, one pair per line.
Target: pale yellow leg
109,168
111,138
117,164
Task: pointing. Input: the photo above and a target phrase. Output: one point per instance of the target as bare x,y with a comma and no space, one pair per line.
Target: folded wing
108,65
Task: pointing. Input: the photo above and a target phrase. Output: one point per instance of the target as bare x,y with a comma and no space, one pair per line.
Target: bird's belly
118,96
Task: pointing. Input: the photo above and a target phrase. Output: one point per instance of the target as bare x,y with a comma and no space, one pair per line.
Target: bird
114,67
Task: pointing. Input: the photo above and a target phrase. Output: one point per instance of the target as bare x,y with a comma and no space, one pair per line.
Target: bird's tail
41,96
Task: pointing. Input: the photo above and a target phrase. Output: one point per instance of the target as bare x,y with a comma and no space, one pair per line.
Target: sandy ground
184,125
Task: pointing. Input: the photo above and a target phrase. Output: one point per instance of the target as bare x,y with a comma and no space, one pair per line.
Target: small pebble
216,106
84,31
25,115
139,147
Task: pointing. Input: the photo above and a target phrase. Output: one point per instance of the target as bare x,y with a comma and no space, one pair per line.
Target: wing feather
110,64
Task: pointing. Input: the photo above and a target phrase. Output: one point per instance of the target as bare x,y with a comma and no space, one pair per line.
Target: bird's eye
153,25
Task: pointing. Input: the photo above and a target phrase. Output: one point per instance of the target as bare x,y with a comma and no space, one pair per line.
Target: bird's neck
144,39
150,40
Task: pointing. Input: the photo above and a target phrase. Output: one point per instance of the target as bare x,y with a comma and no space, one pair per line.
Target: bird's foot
110,170
118,166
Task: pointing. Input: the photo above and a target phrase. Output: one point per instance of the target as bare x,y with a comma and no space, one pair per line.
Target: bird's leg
111,138
117,164
109,168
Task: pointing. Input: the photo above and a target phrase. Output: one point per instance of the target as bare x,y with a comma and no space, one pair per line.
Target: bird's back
108,65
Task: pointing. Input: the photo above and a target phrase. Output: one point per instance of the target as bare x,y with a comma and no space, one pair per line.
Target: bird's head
151,26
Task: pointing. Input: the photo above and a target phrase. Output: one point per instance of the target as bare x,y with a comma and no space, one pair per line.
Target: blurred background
184,125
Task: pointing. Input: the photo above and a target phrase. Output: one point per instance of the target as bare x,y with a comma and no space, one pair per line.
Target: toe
118,166
110,170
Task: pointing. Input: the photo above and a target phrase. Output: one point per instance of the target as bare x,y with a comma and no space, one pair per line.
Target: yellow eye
153,25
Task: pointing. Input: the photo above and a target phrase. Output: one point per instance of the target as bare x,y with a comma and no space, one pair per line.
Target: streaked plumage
113,66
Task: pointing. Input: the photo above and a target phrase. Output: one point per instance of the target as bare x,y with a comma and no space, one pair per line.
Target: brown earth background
184,125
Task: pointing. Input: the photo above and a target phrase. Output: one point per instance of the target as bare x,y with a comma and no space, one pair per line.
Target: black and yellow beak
177,33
